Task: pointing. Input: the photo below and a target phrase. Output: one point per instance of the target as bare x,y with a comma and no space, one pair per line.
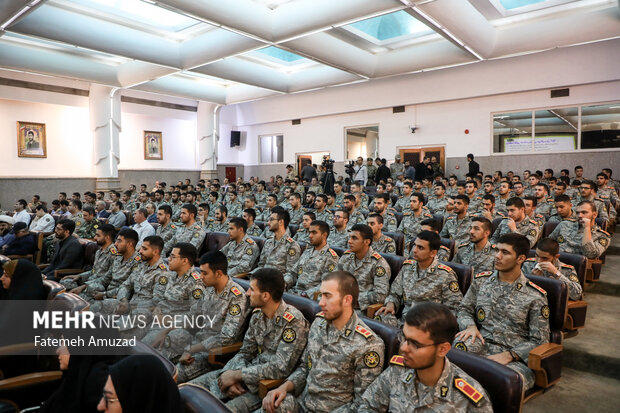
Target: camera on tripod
349,168
328,163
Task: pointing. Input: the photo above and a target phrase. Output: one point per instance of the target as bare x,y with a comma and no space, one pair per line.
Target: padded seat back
388,334
197,399
548,228
308,307
395,262
69,302
338,250
52,288
143,348
90,249
399,239
260,224
602,222
464,274
439,219
577,261
292,228
399,217
216,240
503,384
449,244
557,297
394,199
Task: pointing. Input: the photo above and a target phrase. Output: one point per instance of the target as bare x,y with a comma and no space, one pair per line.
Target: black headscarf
143,385
26,281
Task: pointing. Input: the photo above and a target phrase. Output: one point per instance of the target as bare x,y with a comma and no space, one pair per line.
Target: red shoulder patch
333,253
445,268
195,275
288,316
483,274
468,390
363,331
235,291
398,360
376,256
542,291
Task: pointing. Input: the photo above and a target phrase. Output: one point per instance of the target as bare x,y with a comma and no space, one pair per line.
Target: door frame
346,141
298,154
423,149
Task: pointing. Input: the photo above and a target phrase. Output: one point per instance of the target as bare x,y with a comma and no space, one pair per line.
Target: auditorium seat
143,348
395,262
546,359
449,244
52,288
495,224
548,228
399,239
216,240
69,302
260,224
338,250
503,385
308,307
394,199
260,242
464,274
197,399
439,219
399,217
292,228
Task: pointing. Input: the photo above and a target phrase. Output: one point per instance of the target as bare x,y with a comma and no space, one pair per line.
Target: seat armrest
43,266
372,309
546,362
30,379
67,271
25,256
243,275
218,351
267,384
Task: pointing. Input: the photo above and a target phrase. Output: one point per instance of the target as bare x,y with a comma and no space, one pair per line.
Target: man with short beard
479,252
341,360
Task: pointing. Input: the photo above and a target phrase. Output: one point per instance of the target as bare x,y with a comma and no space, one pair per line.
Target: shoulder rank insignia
407,262
444,247
398,360
348,252
445,268
195,275
376,256
162,266
255,310
483,274
531,259
289,239
388,239
113,250
235,291
406,214
288,316
138,258
470,392
333,253
249,240
173,226
320,314
461,245
566,265
450,217
363,331
531,284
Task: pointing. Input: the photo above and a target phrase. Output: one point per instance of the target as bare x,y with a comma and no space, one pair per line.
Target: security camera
413,128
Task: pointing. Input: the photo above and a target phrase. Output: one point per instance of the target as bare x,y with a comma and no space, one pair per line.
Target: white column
105,125
207,126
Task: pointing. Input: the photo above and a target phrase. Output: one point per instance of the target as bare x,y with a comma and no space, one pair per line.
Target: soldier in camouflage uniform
235,208
271,347
280,251
478,252
261,195
316,261
241,251
102,264
342,358
381,203
176,292
166,229
544,203
249,215
404,202
321,212
587,192
190,231
296,212
412,219
547,264
370,269
437,204
127,261
315,187
402,386
563,208
517,222
86,227
339,234
220,221
503,195
397,168
582,236
424,279
225,306
302,234
355,216
508,312
272,202
338,195
380,242
136,293
488,209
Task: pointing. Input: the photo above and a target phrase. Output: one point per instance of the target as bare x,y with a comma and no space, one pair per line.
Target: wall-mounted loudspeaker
235,138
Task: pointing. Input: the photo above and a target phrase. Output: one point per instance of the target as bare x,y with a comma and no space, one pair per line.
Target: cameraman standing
360,175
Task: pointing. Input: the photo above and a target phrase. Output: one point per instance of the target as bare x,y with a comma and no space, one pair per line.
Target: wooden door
302,160
231,174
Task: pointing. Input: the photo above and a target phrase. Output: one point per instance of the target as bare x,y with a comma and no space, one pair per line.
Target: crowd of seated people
393,252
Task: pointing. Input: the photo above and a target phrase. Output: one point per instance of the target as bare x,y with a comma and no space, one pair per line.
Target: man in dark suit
474,168
383,172
69,251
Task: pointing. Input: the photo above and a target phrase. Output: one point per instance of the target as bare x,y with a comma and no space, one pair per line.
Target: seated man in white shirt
42,222
21,215
142,226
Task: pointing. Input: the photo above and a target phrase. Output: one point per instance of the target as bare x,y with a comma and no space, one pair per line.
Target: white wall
69,142
179,140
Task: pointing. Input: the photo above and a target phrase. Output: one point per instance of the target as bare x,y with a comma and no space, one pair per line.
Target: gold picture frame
153,148
31,140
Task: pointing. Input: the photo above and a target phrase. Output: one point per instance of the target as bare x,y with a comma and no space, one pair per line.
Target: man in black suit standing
474,168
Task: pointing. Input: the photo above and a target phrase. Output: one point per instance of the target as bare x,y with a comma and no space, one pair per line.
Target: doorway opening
416,155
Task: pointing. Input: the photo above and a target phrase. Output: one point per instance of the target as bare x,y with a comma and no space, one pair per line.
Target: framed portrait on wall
152,145
31,140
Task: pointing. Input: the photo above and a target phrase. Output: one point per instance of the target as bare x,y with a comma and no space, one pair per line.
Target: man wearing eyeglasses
280,251
422,371
339,235
587,192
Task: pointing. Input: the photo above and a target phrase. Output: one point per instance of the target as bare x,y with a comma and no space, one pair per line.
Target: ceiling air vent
398,109
296,121
559,93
